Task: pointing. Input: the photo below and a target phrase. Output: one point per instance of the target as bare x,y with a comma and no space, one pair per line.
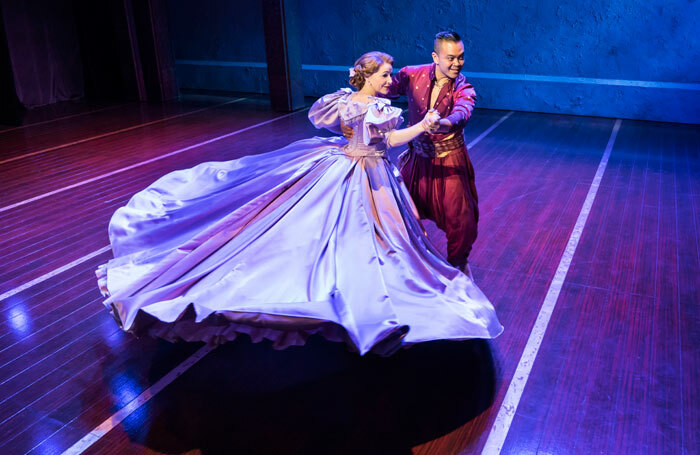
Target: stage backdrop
627,58
44,51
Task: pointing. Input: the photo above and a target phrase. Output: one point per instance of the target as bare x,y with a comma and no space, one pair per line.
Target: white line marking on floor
501,425
53,273
491,128
98,432
142,163
111,133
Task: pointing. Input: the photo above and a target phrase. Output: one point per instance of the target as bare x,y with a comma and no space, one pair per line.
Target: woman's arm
397,138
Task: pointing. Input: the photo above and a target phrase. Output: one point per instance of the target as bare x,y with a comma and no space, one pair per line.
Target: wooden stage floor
588,245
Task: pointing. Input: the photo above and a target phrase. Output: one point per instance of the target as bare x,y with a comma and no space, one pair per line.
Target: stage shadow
246,398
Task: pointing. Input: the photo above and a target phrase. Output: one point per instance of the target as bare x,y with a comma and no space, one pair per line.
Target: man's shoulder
416,69
461,83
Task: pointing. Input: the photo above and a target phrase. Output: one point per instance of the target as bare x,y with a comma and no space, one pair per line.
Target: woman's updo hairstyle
367,65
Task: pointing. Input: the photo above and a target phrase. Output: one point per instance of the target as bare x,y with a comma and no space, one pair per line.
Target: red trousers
443,190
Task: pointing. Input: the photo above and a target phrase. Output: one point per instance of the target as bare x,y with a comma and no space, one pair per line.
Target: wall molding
478,75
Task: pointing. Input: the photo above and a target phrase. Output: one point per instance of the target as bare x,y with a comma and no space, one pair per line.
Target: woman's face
381,80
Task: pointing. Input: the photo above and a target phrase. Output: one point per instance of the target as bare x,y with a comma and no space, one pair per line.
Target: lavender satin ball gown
320,236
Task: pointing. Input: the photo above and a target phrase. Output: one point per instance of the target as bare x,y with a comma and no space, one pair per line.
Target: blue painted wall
613,58
228,32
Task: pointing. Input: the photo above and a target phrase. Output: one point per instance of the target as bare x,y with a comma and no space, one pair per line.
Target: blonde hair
367,65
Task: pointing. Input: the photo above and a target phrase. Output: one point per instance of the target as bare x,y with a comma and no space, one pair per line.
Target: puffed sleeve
324,112
379,120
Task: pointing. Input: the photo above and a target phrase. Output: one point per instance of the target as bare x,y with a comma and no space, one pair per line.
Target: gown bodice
370,121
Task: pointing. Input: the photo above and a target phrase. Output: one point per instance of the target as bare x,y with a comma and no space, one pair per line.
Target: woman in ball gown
320,236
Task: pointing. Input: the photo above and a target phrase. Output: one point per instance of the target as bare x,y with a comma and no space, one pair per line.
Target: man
436,168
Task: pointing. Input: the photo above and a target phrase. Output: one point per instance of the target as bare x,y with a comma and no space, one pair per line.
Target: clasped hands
431,121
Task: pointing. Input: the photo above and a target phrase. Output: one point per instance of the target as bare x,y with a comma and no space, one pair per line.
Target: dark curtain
59,50
10,107
109,49
44,51
158,64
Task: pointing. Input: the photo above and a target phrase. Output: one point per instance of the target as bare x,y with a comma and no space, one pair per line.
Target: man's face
449,58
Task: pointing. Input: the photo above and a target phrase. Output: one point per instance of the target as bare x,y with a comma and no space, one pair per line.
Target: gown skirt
283,245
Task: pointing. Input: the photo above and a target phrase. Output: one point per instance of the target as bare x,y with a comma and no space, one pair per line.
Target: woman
318,237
